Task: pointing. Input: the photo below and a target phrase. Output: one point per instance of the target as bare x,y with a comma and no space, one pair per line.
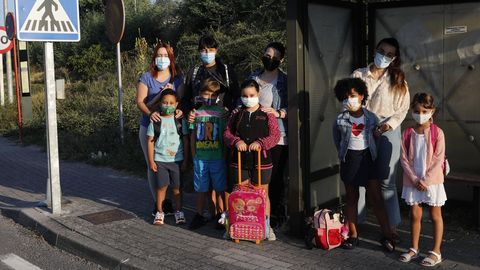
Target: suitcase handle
259,157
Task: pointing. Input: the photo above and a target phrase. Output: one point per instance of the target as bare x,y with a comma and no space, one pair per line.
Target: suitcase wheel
257,242
237,241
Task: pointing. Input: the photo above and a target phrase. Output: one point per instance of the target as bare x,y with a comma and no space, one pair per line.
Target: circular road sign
115,20
5,43
10,25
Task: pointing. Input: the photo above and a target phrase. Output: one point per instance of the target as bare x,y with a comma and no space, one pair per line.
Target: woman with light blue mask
162,74
389,101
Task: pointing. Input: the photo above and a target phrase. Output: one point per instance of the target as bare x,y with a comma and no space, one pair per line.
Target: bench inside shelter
471,180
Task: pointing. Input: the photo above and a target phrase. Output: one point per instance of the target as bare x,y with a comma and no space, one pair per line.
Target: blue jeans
387,167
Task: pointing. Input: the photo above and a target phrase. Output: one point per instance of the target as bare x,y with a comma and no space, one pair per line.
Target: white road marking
17,263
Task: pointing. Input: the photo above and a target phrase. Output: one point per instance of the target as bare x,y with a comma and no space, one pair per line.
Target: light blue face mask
382,61
162,63
207,58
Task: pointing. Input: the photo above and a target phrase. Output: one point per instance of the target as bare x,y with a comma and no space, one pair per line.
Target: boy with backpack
166,154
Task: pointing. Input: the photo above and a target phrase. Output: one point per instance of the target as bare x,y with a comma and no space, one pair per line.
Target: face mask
167,109
382,61
351,103
207,58
209,101
270,64
162,63
421,118
250,102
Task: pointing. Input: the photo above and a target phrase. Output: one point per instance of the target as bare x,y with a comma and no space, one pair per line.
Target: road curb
57,235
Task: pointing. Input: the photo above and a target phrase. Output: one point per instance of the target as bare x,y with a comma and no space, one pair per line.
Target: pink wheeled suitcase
246,204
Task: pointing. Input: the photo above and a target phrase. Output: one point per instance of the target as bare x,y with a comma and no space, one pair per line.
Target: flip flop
429,262
406,257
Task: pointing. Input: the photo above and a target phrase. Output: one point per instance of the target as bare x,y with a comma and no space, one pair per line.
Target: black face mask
270,64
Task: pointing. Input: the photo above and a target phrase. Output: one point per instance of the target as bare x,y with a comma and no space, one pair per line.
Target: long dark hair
397,76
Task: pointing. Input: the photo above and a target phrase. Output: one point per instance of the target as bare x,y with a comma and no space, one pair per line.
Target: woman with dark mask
389,101
273,98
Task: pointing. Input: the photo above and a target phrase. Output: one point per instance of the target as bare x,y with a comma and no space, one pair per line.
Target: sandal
388,244
350,243
406,257
429,262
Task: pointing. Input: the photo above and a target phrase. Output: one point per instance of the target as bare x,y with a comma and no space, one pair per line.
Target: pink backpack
330,231
433,137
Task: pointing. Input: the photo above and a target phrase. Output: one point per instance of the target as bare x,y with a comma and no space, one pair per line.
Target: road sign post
10,29
115,24
52,140
8,62
49,21
5,46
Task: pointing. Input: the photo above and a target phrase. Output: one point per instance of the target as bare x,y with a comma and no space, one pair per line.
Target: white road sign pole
120,91
52,140
2,87
8,55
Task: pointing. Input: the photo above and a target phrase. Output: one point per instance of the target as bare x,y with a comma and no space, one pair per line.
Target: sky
11,4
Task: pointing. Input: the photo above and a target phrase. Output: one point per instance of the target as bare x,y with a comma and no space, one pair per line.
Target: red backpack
434,138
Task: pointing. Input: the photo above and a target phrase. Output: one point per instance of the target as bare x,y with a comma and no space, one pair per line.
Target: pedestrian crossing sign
47,20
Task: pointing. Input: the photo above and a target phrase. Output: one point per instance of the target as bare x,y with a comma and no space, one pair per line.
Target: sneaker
179,217
197,222
221,219
159,218
271,235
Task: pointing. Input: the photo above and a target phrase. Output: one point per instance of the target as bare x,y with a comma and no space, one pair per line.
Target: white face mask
421,118
382,61
250,102
352,103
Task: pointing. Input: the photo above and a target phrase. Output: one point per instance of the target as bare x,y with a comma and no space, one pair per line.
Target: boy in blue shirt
166,154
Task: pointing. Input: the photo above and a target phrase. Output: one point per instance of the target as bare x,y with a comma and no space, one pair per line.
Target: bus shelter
327,40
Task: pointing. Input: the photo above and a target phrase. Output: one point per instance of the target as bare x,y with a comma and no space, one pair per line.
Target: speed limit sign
5,43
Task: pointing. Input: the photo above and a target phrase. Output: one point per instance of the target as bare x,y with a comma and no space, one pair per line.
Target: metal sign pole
120,91
17,88
52,140
8,55
2,87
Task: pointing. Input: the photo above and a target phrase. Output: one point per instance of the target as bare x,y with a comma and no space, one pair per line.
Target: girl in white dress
423,161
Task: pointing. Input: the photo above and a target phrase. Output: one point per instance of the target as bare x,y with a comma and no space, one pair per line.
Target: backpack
433,138
328,230
157,126
195,71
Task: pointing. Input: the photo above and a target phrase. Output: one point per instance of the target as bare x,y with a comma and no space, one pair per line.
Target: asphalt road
21,249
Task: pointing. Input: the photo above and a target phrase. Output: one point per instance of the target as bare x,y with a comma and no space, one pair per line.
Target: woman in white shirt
389,101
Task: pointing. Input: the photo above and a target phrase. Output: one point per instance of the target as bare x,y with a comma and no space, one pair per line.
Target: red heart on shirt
357,129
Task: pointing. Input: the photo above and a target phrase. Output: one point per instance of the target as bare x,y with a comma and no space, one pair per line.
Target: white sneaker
179,217
271,235
223,218
159,218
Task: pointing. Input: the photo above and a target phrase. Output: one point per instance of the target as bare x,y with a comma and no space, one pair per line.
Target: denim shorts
209,173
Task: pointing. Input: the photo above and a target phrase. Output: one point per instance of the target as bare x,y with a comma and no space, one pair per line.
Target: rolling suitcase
246,204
